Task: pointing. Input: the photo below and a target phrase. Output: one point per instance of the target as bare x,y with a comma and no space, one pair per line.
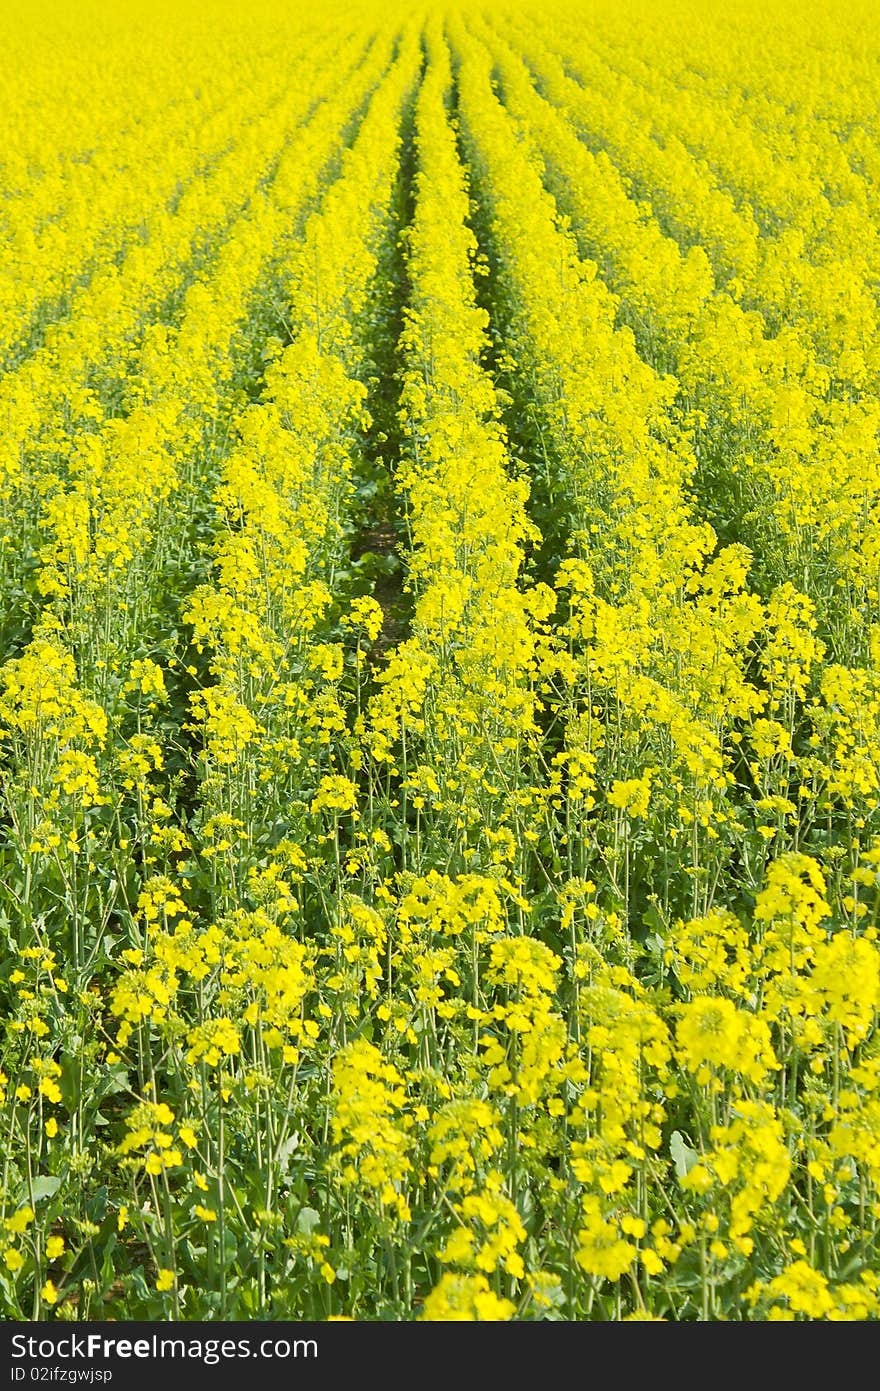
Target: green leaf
683,1157
44,1186
307,1220
286,1152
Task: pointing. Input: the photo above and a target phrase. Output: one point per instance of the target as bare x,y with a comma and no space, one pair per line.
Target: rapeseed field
440,662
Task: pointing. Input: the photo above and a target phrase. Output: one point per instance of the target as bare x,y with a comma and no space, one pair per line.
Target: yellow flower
632,796
20,1220
466,1298
50,1090
712,1032
602,1252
